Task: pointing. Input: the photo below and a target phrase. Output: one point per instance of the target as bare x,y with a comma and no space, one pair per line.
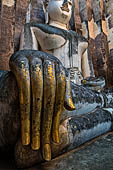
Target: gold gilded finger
37,93
20,68
24,96
49,99
68,102
59,102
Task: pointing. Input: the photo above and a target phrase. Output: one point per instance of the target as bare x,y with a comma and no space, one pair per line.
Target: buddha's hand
43,88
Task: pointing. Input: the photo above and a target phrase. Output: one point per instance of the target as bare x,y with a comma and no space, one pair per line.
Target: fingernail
47,152
25,139
71,104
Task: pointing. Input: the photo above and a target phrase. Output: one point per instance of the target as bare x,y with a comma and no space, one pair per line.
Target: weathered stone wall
12,18
37,14
7,20
109,20
97,26
20,18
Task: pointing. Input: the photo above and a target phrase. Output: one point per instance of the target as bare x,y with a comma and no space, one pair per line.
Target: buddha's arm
86,61
28,39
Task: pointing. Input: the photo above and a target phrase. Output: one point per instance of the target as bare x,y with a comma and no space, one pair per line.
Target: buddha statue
55,38
42,94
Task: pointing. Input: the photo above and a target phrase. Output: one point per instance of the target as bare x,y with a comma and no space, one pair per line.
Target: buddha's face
60,10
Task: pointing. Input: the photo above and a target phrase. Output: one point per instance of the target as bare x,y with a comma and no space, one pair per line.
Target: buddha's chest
70,60
68,55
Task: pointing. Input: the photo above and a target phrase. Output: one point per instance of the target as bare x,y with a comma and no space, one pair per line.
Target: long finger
37,93
20,67
59,102
49,99
68,102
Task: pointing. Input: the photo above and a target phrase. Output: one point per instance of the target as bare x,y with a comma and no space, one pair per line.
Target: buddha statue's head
58,11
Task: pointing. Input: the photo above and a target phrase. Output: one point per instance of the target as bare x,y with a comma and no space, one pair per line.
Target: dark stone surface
95,155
